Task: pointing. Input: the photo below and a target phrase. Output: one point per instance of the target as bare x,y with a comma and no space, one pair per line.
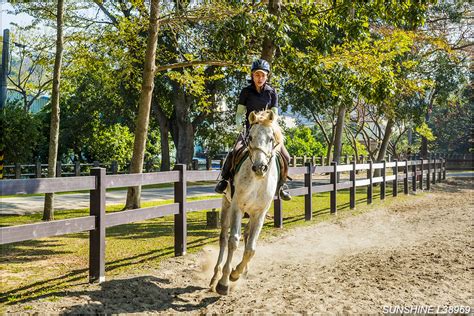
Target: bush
111,143
21,135
300,141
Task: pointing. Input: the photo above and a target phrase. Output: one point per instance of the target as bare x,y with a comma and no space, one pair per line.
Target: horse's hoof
212,285
232,277
222,289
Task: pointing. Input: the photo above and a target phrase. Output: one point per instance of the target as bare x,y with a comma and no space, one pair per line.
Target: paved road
34,204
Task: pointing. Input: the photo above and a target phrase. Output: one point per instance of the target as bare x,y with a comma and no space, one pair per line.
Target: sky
6,18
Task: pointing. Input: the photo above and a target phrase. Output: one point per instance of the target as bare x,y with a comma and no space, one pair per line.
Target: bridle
269,155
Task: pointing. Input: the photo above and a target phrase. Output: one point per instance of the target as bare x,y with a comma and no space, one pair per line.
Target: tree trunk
144,105
385,140
341,116
48,212
384,145
269,47
182,128
164,124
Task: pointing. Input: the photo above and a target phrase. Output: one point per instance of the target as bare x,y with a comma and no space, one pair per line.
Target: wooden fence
39,170
421,173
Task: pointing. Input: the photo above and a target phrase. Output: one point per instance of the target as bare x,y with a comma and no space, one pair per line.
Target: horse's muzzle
260,169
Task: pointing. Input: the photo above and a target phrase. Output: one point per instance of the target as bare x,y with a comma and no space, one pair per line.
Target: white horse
255,186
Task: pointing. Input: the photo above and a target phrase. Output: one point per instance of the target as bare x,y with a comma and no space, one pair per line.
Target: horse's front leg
255,227
223,239
236,222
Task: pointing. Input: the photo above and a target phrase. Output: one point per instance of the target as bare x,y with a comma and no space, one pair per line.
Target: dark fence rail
421,173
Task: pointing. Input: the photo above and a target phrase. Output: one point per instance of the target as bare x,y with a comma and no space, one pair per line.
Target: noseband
268,155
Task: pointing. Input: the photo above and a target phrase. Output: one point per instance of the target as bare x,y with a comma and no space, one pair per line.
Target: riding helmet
261,64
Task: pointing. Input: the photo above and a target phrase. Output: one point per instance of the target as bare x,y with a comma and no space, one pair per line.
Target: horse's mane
262,117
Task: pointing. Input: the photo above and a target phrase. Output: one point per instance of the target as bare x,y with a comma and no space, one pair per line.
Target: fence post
308,198
434,169
413,176
180,225
444,168
221,163
38,169
294,161
277,213
440,167
370,186
405,180
195,164
352,190
97,236
334,177
114,167
422,171
384,178
208,163
59,169
77,168
322,160
17,171
428,175
395,181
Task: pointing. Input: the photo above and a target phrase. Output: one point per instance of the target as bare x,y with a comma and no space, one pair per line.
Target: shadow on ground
139,295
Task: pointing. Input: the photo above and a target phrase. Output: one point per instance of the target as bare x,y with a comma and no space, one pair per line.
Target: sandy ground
412,252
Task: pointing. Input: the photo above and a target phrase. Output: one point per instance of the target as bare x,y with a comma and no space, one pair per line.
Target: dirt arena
416,251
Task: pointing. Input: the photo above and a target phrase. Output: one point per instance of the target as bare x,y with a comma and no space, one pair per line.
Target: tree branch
196,63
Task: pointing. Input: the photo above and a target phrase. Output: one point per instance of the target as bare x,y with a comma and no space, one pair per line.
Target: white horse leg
236,222
223,239
255,227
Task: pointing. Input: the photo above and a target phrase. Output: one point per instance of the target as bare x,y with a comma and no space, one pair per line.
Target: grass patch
45,268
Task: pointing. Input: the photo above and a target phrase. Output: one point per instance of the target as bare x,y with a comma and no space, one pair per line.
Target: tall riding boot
226,174
282,188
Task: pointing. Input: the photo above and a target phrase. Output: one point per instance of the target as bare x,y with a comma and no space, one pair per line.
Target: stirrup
283,193
221,186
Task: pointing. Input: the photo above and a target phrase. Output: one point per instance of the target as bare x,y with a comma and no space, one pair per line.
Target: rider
258,96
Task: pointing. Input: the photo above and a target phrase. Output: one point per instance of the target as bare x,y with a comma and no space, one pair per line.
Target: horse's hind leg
223,239
254,226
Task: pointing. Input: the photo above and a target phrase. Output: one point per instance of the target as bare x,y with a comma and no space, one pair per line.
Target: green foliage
347,149
111,143
21,134
452,126
301,141
424,131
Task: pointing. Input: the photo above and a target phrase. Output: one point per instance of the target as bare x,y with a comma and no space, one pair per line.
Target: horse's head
264,137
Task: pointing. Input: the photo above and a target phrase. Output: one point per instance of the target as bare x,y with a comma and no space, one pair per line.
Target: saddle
243,153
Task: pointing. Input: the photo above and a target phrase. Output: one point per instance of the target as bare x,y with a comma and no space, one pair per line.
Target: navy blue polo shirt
257,101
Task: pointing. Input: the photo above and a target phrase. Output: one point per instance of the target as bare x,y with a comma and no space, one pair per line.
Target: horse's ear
271,115
252,118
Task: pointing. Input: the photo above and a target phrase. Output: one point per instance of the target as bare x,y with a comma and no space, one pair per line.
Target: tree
111,143
48,213
301,141
20,147
28,72
141,127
